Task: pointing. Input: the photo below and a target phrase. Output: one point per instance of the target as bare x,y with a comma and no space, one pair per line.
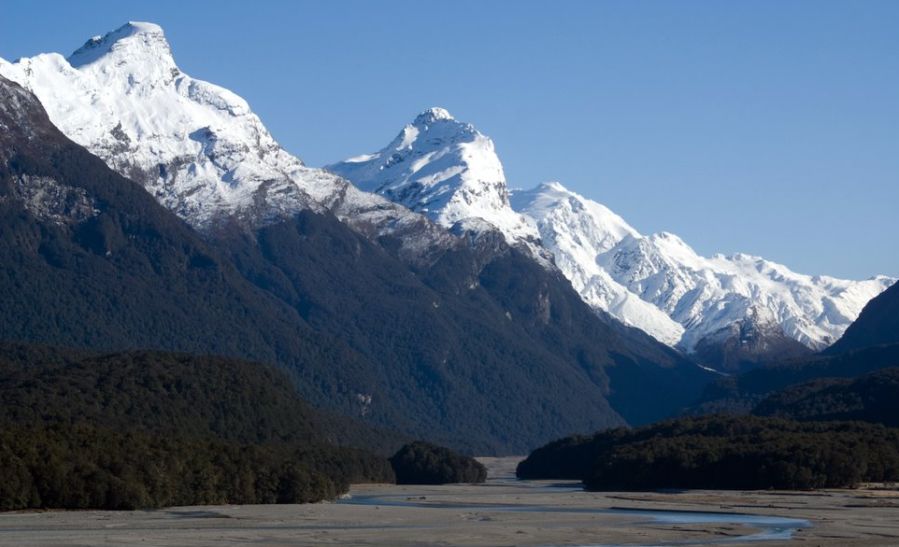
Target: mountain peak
133,41
445,169
552,186
432,115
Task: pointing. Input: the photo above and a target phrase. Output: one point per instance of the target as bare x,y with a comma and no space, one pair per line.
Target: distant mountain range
209,159
848,381
793,424
410,287
372,309
728,311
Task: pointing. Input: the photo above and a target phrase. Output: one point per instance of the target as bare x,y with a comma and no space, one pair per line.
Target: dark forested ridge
91,260
723,452
80,467
741,393
447,365
530,343
878,324
172,394
425,463
150,429
872,398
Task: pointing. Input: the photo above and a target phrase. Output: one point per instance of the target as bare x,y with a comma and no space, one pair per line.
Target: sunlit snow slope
197,147
445,169
201,151
604,256
450,171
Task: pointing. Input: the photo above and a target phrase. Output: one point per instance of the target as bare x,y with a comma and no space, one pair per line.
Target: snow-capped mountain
202,152
445,169
608,261
576,231
197,147
450,171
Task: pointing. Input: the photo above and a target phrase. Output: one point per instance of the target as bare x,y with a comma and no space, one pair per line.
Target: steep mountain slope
732,310
445,169
196,147
91,260
479,347
872,397
742,392
877,324
480,331
201,397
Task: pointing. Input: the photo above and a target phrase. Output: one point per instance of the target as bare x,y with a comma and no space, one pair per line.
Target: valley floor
501,512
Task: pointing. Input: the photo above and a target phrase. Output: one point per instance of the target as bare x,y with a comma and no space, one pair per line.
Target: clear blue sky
767,127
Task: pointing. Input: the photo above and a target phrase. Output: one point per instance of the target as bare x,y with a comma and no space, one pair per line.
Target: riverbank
500,512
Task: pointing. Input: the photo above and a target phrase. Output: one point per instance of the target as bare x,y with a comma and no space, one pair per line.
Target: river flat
501,512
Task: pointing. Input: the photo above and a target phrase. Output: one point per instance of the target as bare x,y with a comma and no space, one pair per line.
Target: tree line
723,452
148,429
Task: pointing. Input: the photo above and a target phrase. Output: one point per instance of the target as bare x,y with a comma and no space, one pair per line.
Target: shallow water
770,528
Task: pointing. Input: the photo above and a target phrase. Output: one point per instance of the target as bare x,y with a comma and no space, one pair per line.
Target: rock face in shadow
878,324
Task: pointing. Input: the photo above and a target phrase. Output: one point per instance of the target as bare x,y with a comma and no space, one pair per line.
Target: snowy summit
196,147
448,170
641,279
445,169
201,151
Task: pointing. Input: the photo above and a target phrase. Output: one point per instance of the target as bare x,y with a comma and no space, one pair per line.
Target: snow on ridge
150,40
576,230
196,147
432,115
703,295
445,169
202,152
449,171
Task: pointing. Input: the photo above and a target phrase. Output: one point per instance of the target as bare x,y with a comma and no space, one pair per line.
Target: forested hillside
872,398
723,452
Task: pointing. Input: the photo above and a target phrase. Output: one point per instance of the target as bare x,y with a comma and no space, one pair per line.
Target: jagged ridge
732,310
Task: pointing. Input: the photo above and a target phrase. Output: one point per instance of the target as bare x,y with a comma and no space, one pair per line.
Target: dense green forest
872,398
723,452
92,260
425,463
741,393
171,393
79,467
150,429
